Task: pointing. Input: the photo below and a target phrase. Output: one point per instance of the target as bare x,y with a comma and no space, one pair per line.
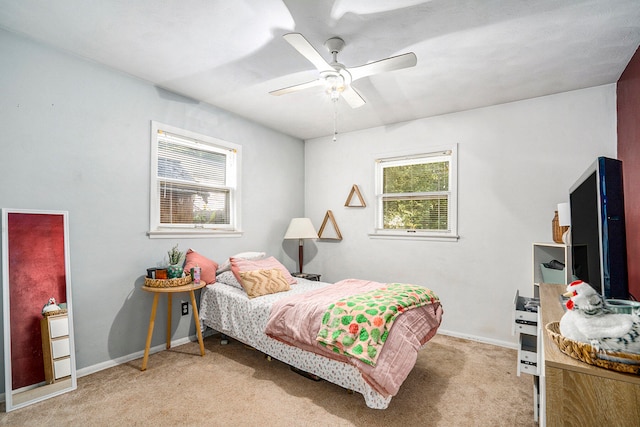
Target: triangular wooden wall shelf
355,190
329,216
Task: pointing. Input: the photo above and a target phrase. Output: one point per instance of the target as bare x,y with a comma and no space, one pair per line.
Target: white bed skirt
227,310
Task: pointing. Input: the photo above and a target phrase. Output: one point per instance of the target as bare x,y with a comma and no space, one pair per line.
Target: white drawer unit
55,347
526,327
528,355
525,324
525,319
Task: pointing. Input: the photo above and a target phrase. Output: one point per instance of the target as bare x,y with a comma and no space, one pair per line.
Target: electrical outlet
185,308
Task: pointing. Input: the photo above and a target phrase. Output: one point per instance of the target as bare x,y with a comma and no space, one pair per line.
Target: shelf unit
546,252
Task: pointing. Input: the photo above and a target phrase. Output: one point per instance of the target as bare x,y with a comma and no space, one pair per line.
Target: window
194,184
416,195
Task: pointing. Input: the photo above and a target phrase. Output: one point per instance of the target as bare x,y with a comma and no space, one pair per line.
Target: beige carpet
454,383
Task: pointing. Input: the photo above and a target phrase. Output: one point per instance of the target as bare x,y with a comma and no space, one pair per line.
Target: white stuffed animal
588,320
50,306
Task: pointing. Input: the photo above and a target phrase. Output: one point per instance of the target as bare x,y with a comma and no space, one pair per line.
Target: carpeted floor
454,383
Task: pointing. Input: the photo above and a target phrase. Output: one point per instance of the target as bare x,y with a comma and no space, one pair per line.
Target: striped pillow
257,283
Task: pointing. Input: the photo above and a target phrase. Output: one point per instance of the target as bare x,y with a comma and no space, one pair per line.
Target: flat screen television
598,234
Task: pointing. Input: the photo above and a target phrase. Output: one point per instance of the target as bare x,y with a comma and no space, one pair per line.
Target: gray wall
76,137
516,162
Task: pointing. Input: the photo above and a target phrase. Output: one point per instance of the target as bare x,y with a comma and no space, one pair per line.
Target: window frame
397,159
233,153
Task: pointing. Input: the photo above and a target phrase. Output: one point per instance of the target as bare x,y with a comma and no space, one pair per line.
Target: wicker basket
167,283
54,312
621,362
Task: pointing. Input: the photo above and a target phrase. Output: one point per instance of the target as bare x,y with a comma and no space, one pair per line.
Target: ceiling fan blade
296,88
352,97
394,63
304,47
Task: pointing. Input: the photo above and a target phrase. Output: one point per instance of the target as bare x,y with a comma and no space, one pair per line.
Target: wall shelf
355,191
328,217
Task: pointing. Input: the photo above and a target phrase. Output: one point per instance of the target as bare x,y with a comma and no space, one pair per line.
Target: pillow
226,266
243,265
257,283
207,267
227,278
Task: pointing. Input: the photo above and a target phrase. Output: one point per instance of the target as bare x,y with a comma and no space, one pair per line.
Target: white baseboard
133,356
484,340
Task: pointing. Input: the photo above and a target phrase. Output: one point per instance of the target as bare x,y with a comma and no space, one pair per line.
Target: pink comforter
296,321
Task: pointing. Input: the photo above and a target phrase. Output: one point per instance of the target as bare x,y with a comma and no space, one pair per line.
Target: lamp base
300,254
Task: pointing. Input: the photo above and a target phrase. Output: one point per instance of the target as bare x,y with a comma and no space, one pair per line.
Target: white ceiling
471,53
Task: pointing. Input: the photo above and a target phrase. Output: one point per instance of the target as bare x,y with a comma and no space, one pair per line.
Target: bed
225,307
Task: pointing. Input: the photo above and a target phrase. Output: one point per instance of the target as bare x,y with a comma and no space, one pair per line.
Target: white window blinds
194,181
416,195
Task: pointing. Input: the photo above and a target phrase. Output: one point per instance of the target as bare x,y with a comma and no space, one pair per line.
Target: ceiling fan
334,76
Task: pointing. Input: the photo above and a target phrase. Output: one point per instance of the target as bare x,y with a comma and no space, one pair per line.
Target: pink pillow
208,267
226,266
239,265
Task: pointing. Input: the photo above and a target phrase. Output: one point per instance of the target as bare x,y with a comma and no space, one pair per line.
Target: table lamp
301,228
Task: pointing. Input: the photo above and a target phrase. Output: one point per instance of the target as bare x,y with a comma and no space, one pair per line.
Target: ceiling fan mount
334,76
334,45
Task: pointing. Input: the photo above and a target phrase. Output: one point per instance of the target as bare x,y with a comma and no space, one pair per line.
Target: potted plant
174,270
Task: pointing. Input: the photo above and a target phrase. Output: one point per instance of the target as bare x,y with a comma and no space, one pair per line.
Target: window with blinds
193,182
416,195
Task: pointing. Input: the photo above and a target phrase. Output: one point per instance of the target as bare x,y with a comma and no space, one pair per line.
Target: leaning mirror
39,355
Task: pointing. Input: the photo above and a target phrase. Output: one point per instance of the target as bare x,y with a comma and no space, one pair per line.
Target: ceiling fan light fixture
334,84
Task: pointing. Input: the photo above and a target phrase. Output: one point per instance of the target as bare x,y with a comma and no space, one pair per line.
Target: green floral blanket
358,325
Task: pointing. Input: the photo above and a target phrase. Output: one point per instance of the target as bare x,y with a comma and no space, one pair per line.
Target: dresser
55,347
573,393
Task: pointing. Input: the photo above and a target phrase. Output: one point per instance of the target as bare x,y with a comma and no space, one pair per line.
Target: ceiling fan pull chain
335,120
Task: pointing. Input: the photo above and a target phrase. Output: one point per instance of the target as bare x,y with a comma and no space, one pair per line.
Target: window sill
404,235
192,234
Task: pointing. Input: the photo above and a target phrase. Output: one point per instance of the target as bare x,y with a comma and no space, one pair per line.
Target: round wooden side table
191,287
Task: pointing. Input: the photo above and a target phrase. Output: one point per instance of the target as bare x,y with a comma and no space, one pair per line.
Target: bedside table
191,287
308,276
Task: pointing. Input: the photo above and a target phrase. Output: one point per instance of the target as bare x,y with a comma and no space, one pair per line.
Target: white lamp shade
301,228
564,214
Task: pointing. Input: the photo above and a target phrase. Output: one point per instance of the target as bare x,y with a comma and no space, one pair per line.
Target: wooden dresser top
551,311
